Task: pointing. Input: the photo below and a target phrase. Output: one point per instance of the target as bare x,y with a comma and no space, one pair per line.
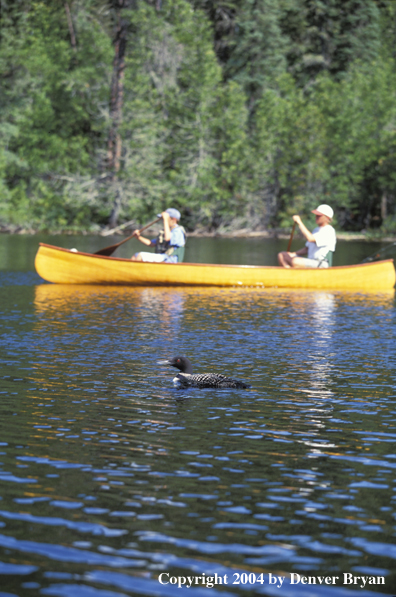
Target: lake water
112,480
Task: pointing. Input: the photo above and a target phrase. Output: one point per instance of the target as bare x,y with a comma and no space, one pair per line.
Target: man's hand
297,220
165,216
304,230
142,239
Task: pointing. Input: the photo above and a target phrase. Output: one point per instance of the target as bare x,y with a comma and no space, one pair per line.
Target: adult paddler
169,244
320,243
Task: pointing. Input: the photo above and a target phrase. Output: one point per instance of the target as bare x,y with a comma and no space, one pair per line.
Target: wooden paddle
291,237
110,250
378,253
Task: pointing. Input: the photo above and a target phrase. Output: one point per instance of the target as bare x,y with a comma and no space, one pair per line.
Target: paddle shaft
117,229
110,250
378,253
291,237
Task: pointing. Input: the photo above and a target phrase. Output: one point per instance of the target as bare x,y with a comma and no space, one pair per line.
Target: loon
186,378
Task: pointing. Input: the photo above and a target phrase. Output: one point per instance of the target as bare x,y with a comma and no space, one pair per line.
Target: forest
239,113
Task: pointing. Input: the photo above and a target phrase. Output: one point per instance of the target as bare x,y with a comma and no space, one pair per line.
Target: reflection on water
111,476
321,309
47,294
323,323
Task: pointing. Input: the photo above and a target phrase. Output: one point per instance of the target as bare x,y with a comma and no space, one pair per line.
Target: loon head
181,363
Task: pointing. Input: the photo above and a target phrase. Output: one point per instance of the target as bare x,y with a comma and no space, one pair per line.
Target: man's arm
142,239
300,252
167,230
304,230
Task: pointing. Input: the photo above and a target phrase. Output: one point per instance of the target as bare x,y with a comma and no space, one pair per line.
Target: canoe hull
62,266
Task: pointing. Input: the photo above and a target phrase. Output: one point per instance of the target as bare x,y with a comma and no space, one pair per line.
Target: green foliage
336,144
290,137
184,131
257,50
238,112
359,117
51,104
329,36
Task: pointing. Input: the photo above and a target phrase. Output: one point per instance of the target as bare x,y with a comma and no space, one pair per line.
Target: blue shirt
177,239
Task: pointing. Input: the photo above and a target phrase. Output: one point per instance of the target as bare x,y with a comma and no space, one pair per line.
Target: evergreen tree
289,142
257,48
328,36
248,42
222,15
51,100
116,101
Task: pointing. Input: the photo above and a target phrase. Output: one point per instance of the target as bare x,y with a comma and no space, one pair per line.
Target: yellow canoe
63,266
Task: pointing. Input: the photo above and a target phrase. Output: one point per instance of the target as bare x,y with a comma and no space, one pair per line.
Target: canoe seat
179,252
329,258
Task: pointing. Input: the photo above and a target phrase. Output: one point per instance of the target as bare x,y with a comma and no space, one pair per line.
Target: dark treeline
238,112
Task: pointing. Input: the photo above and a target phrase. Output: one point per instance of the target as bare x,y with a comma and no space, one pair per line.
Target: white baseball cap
324,210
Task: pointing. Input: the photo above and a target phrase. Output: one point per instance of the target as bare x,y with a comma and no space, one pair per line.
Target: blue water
112,478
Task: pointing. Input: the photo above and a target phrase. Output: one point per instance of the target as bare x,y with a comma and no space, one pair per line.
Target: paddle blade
107,251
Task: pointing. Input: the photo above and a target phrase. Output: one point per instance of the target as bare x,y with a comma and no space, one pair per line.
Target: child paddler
169,244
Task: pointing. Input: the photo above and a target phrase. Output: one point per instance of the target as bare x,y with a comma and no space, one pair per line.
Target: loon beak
163,363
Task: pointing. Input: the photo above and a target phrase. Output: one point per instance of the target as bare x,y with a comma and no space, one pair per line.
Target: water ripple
112,476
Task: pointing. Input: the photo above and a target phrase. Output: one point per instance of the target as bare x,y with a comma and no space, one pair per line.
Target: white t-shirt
325,241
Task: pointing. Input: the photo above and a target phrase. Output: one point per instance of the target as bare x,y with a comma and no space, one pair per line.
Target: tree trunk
384,210
114,144
71,28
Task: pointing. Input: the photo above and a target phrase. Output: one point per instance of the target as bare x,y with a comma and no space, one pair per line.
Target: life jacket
164,246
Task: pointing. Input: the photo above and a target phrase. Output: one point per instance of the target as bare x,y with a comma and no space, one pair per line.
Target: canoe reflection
165,305
49,296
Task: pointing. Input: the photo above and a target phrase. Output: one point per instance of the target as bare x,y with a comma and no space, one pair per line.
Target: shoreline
369,236
283,235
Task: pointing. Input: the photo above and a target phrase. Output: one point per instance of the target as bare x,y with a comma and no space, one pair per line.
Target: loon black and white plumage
186,377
